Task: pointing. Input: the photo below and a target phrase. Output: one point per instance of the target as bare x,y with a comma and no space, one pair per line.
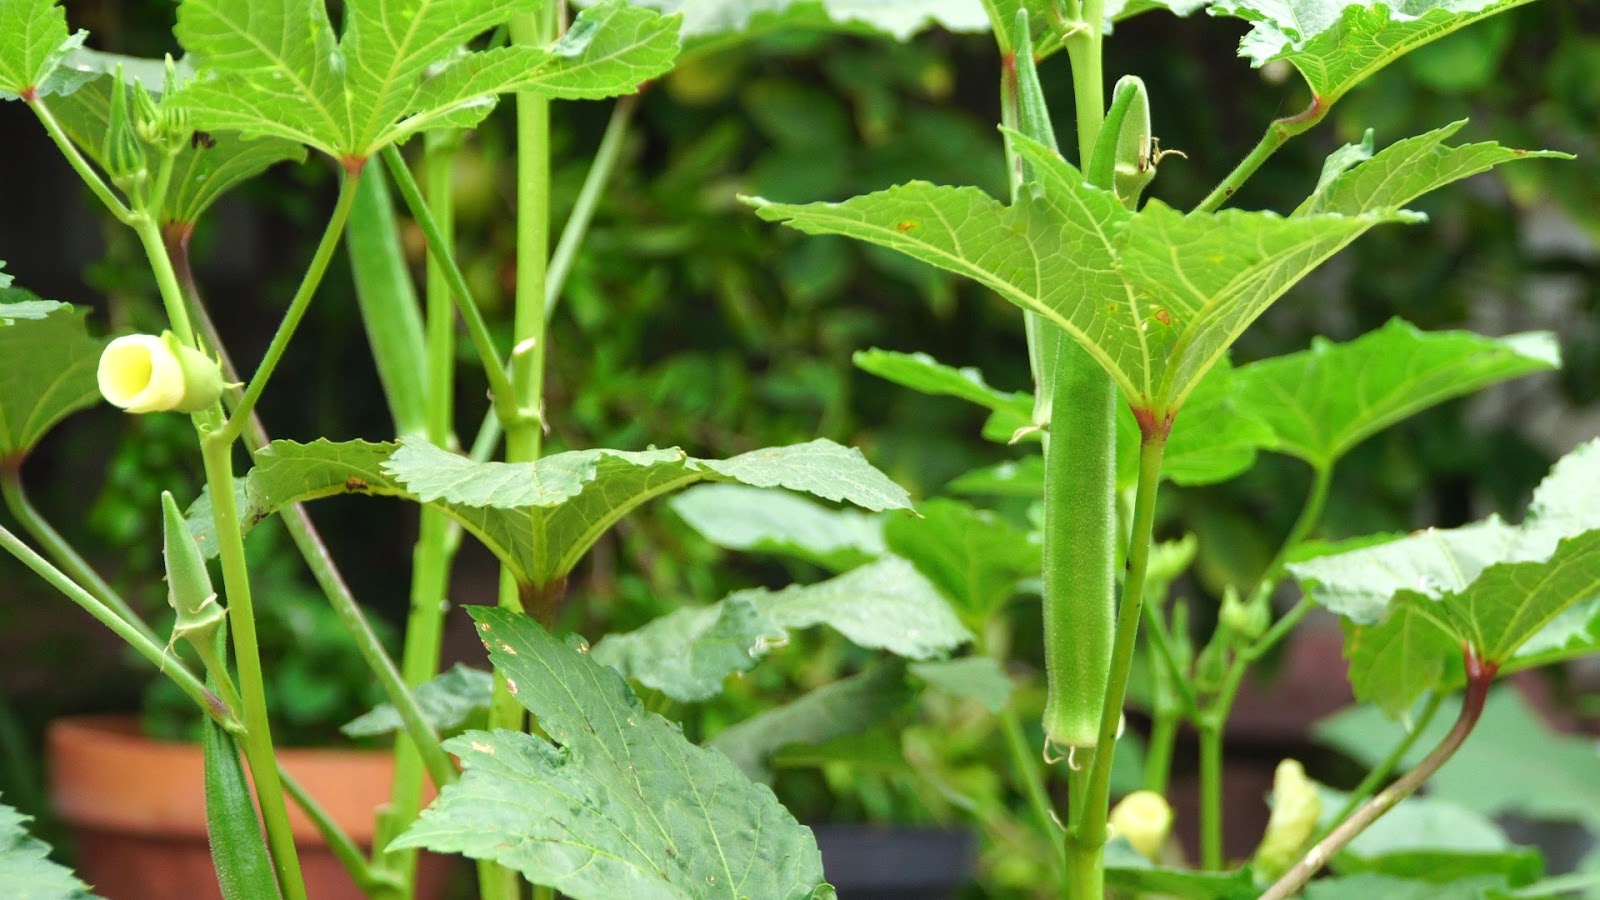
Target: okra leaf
1012,410
1128,871
1405,170
705,21
25,866
448,701
275,68
1337,44
1013,478
1216,438
47,368
1324,401
33,44
688,653
1155,297
540,518
614,802
1415,602
1367,885
974,556
764,520
1047,27
1435,840
845,707
979,678
202,172
1514,763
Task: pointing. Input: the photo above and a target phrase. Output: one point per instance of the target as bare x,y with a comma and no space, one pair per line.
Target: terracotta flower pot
137,811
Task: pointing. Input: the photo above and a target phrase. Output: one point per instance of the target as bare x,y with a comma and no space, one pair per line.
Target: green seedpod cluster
124,153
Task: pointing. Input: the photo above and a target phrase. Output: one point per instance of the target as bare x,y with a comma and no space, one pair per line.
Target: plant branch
346,850
79,164
1382,769
1480,676
1029,777
157,655
504,395
577,228
331,235
1277,134
62,552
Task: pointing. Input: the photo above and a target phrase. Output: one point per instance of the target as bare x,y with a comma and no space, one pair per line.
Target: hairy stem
1480,676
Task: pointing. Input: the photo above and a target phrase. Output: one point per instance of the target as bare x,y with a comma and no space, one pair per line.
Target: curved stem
79,164
577,227
1310,514
63,552
157,655
1382,770
438,250
340,844
1480,676
297,307
1278,134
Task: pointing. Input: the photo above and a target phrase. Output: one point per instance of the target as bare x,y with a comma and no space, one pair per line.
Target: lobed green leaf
765,520
47,368
614,802
33,45
25,866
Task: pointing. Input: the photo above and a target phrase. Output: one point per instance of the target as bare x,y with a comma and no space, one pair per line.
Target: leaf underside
47,367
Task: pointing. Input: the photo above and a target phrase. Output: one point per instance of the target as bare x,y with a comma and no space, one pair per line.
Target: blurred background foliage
689,322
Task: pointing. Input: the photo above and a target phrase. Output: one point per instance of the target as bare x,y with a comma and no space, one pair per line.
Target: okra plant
1129,310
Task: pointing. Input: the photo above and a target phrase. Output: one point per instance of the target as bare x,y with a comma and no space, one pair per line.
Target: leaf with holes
47,368
275,68
1337,44
1324,401
612,801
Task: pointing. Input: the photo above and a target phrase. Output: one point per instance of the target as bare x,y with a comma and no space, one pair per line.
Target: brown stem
1480,675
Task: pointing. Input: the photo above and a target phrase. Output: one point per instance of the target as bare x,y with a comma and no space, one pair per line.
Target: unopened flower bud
189,590
1296,807
144,373
1145,819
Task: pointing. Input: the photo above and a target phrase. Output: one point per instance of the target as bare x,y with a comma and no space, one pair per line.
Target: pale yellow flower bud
1145,819
1296,807
144,373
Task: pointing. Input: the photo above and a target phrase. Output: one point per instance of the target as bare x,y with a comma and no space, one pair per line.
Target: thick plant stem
1278,134
431,557
1480,676
331,236
61,551
217,454
1087,837
1382,769
151,650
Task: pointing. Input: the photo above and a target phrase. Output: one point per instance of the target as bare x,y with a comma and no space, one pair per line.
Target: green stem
1278,134
297,307
340,844
477,329
594,183
152,651
1211,734
1171,674
155,251
217,453
1085,863
1158,751
1029,775
79,164
63,552
1310,514
431,557
1480,676
1088,834
1382,770
315,553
